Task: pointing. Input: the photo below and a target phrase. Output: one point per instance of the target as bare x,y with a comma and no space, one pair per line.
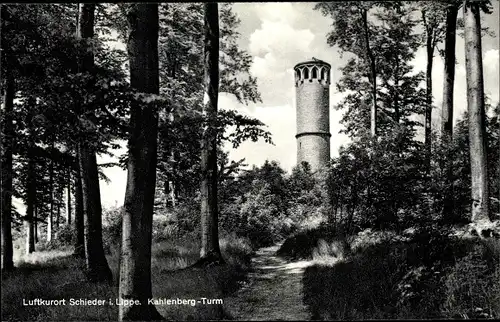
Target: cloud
277,46
491,79
284,12
280,38
280,120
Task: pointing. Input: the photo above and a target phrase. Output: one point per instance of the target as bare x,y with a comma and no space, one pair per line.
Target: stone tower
312,82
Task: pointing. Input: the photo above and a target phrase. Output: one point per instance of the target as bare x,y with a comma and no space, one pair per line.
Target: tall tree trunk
97,265
135,258
68,199
7,143
50,223
173,159
428,96
449,72
79,222
476,111
447,107
58,215
36,227
373,75
210,249
30,184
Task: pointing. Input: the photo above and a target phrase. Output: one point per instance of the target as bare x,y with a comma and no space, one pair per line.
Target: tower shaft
312,81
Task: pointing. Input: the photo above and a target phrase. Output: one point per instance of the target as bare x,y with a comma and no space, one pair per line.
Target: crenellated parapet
316,71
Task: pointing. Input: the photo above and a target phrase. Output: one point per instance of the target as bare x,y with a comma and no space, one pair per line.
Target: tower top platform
313,60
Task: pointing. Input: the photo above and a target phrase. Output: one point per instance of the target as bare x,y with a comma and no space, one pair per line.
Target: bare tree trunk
58,216
428,96
35,223
476,111
135,258
7,143
97,265
173,159
31,186
68,199
210,249
172,193
449,73
79,225
373,76
447,107
50,223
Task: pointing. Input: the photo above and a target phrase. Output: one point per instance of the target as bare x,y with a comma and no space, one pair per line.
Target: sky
280,35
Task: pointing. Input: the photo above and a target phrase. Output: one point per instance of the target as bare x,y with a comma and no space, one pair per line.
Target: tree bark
210,249
449,72
135,258
428,96
58,215
476,111
447,107
373,75
7,143
97,265
35,223
30,184
68,199
50,223
79,225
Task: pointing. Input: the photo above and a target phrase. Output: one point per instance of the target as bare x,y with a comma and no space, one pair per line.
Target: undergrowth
55,274
381,275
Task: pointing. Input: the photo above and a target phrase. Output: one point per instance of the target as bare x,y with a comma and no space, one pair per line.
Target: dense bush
256,205
111,227
65,235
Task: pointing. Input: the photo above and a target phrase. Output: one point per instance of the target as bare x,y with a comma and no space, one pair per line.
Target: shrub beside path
273,290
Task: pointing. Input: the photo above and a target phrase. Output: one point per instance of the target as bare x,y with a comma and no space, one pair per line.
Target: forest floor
273,290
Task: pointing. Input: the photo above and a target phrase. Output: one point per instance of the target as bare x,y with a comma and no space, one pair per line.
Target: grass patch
302,244
57,275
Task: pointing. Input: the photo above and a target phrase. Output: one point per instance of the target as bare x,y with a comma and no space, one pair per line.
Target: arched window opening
314,72
323,74
297,75
306,73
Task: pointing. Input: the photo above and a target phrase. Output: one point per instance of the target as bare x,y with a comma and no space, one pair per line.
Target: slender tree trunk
476,111
210,249
7,143
58,216
97,265
31,185
68,199
172,193
135,259
447,107
373,75
50,223
428,98
449,73
35,223
79,222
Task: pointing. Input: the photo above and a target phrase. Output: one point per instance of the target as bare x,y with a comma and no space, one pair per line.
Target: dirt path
273,291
